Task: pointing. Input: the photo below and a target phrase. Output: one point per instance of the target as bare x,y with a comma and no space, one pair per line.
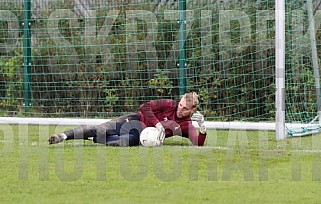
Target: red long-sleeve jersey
164,111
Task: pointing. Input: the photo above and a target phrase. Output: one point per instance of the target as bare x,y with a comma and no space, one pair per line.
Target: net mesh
302,74
93,58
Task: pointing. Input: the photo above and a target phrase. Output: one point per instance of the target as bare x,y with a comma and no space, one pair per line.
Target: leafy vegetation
109,63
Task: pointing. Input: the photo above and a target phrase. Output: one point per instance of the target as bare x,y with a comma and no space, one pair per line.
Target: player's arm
199,118
149,109
199,138
195,137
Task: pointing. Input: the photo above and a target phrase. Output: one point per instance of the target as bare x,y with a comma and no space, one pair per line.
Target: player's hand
161,131
199,118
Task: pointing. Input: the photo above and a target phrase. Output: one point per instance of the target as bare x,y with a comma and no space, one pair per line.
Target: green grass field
233,167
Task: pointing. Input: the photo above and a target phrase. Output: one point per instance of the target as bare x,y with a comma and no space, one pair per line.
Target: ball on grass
149,137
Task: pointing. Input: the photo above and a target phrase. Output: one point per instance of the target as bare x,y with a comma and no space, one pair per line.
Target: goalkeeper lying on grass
168,116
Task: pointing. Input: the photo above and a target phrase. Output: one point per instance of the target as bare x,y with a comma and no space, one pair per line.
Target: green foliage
130,97
11,71
161,83
301,94
95,67
111,99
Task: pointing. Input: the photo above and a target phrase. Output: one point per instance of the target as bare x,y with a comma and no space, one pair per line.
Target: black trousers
121,131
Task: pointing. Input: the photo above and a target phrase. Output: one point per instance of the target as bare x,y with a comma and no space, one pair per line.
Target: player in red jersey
168,116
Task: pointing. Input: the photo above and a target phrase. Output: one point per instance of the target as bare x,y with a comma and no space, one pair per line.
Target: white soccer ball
149,137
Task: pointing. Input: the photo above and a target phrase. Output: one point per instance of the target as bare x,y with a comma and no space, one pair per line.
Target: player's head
187,105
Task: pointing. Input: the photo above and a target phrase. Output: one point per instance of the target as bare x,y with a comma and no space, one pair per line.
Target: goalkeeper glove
199,118
161,130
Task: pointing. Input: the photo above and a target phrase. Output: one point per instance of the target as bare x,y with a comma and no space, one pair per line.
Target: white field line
222,148
225,148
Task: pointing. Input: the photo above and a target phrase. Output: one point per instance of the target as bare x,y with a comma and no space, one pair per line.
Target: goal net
302,78
100,59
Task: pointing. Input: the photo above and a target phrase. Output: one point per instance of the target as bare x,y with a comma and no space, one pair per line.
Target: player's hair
192,98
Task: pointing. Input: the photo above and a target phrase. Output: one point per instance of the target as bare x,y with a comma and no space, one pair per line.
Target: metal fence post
182,50
27,54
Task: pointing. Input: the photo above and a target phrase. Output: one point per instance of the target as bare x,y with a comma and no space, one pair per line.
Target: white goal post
280,69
